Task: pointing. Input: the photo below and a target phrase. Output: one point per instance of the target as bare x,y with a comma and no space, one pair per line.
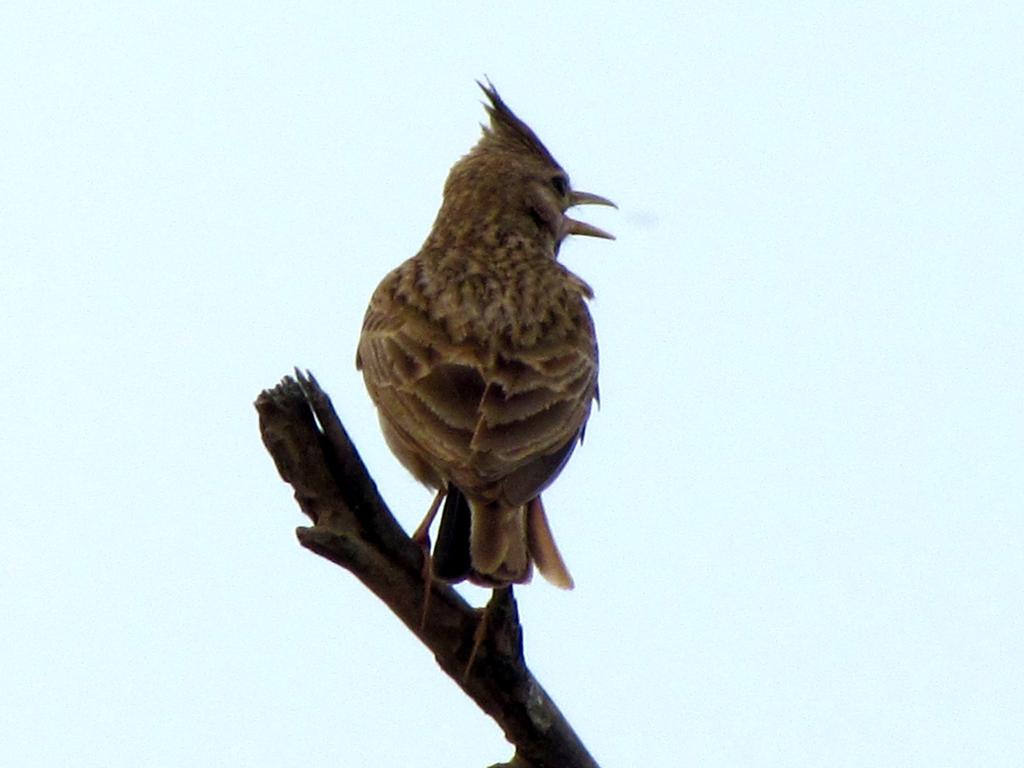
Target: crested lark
481,358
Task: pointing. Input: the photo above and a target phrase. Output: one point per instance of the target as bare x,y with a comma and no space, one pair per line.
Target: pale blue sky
797,523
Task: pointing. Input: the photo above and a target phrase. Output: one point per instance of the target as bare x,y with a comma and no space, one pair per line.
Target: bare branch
353,527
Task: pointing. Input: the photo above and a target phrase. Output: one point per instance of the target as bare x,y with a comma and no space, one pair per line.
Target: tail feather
451,553
543,548
494,545
498,545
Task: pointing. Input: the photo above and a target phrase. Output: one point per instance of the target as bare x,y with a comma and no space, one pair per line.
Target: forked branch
353,527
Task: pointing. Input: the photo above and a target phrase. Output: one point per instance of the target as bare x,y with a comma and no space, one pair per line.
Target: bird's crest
508,130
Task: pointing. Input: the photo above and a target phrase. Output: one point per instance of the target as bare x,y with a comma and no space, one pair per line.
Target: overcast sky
796,526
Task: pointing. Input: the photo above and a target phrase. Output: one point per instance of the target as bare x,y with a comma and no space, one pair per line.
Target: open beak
588,198
574,227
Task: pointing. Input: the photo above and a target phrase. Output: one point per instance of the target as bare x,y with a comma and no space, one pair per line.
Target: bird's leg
422,534
422,537
501,597
479,635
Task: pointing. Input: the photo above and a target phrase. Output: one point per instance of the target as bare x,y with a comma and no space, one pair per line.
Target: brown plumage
480,354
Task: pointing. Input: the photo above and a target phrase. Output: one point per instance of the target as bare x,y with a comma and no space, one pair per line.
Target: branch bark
353,527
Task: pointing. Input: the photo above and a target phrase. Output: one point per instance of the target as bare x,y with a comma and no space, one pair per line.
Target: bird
481,357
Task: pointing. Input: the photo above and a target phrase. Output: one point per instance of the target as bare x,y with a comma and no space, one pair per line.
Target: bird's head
509,182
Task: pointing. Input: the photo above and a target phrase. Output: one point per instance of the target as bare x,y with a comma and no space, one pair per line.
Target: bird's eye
561,185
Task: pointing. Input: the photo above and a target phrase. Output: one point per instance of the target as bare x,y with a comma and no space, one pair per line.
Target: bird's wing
430,400
534,411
